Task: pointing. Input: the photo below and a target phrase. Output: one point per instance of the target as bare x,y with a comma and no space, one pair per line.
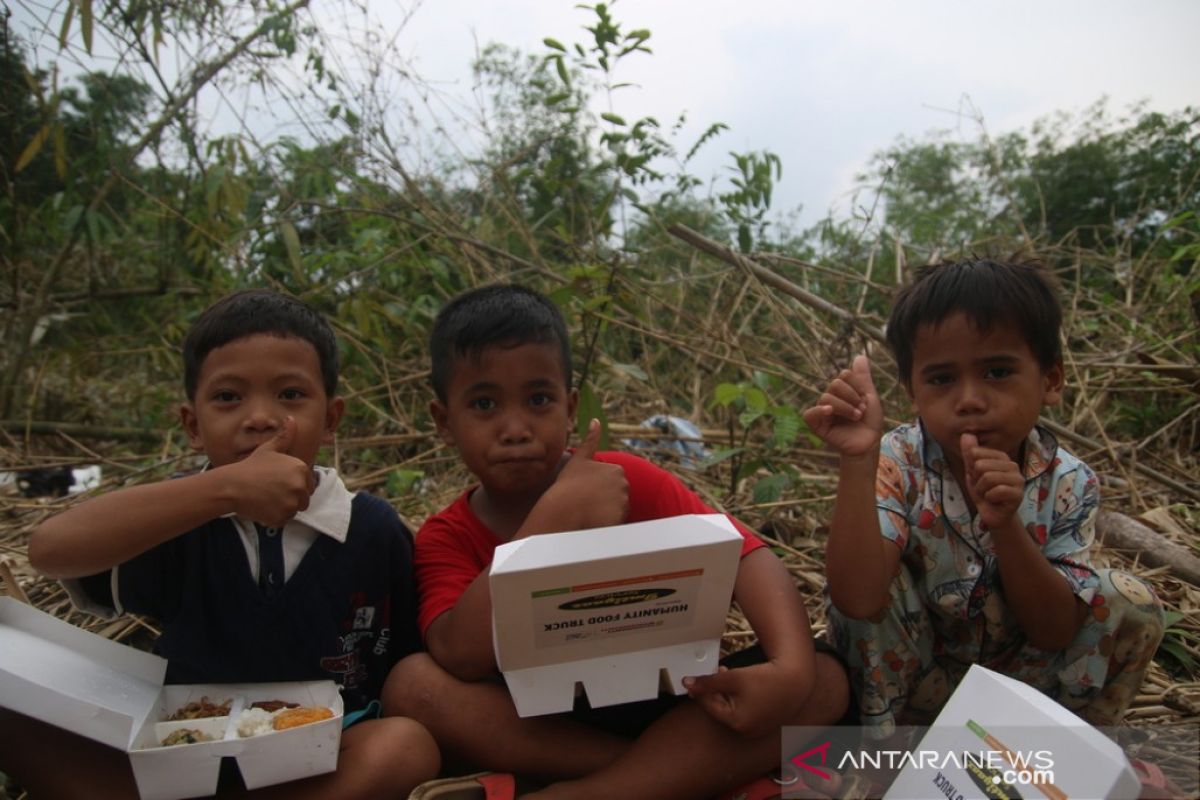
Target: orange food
295,717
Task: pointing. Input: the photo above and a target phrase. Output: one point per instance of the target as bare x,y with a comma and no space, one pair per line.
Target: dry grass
718,321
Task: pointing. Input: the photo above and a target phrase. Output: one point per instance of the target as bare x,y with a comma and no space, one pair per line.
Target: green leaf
85,23
554,44
561,66
726,393
613,118
755,399
721,454
787,426
65,31
33,148
770,488
291,241
747,417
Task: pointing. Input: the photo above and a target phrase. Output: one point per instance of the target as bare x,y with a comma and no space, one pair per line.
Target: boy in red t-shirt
502,376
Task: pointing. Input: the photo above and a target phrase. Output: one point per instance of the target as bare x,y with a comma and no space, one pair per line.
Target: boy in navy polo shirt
262,567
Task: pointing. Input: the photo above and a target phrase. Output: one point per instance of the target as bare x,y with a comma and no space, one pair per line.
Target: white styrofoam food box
63,675
1025,736
620,610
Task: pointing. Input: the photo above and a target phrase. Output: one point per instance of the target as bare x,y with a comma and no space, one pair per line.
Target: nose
515,429
972,397
261,416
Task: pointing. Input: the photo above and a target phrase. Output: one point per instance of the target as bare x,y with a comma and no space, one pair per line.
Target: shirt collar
329,506
328,509
1040,448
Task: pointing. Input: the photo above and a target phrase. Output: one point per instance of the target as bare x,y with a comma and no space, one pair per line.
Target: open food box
621,611
114,694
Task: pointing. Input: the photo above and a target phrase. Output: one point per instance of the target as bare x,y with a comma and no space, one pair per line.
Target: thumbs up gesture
586,494
270,485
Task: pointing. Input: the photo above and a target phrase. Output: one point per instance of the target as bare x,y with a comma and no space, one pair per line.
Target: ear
191,426
572,404
1053,381
438,411
334,410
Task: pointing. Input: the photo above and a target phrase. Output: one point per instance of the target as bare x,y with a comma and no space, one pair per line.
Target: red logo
823,750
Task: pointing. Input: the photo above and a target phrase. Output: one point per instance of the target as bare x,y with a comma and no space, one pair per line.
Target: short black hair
1019,292
258,311
503,314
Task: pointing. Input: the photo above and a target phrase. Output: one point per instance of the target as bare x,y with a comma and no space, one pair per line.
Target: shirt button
973,569
272,531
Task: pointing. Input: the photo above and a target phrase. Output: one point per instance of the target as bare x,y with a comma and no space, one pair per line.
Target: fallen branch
1152,548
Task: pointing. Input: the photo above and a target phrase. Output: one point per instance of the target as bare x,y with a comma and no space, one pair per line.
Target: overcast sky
821,84
825,84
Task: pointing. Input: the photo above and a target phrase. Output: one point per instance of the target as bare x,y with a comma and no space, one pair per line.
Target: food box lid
56,672
613,609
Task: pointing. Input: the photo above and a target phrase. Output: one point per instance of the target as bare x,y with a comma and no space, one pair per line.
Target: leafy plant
749,408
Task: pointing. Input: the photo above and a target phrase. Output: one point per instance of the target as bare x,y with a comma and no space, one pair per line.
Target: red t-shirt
454,546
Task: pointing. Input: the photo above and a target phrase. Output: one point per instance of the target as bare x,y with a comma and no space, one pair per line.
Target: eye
291,394
225,396
996,373
939,379
483,404
540,399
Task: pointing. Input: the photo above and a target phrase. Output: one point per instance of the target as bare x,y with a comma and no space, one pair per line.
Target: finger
705,691
282,441
591,443
841,405
816,416
860,370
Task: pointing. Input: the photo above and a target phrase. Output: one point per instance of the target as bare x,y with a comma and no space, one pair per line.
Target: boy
261,568
502,377
963,538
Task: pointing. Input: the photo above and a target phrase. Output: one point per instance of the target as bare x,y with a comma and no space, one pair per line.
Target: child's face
246,389
508,413
991,385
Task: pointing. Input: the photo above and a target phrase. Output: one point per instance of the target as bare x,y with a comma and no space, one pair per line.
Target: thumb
282,441
966,446
711,692
591,443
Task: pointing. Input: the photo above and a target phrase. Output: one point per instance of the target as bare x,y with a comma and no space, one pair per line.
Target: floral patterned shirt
949,552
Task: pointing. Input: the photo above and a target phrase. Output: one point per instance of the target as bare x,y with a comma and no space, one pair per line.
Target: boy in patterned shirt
963,537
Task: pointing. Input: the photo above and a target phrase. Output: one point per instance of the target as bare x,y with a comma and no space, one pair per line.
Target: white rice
254,722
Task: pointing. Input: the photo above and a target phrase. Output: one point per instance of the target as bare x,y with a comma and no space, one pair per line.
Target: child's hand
849,417
746,699
270,485
588,493
994,481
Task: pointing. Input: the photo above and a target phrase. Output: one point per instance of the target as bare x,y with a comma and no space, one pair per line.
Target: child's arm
268,486
586,494
757,699
859,561
1041,599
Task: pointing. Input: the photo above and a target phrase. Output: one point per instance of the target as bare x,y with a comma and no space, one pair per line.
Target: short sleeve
444,570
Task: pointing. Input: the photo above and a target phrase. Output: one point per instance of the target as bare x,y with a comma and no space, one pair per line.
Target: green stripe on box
548,592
